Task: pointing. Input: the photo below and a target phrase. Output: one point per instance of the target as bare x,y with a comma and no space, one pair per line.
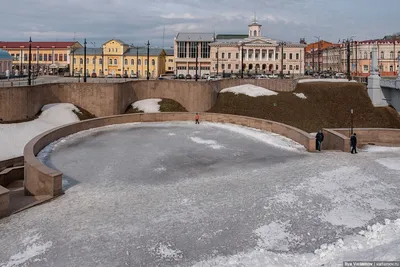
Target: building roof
4,55
142,51
231,36
36,44
200,37
169,51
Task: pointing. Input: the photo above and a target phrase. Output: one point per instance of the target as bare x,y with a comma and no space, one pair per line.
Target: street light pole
197,59
217,60
94,56
84,61
347,42
242,60
282,44
352,122
319,52
29,62
148,59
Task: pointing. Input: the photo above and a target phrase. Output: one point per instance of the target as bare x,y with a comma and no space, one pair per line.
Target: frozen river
179,194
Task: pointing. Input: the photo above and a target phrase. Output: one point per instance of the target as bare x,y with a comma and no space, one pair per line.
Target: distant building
116,57
47,57
169,61
5,62
223,53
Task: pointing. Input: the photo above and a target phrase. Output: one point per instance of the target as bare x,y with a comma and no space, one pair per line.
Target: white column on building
247,54
261,52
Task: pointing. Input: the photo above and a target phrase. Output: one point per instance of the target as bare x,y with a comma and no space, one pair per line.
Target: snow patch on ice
274,236
326,80
171,134
300,95
166,251
348,216
160,169
33,248
381,149
390,163
148,105
210,143
272,139
250,90
377,242
15,136
286,198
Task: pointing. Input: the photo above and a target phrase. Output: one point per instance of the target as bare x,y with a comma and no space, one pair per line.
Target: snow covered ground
180,194
250,90
148,105
14,137
300,95
326,80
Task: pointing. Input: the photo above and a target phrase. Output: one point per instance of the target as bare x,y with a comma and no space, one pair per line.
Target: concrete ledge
42,180
386,136
335,141
10,175
4,201
14,162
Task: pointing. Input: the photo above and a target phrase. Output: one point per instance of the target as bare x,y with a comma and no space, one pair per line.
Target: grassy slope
327,105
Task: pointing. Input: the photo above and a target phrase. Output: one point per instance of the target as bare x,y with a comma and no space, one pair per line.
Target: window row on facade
115,61
189,49
42,57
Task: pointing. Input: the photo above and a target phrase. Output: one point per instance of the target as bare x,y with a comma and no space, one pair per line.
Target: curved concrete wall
42,180
377,136
107,99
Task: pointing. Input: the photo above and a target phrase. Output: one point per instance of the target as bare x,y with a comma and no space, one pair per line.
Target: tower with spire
255,28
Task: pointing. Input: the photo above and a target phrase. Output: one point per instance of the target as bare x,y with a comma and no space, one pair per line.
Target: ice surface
326,80
300,95
14,136
137,196
210,143
148,105
390,163
250,90
381,149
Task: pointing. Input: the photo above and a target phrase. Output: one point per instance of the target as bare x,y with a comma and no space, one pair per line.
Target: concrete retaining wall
14,162
374,135
107,99
335,141
42,180
4,201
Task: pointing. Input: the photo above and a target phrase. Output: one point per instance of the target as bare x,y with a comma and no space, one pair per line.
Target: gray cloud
138,21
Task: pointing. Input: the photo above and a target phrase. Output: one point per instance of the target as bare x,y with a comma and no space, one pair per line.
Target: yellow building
169,61
118,58
47,57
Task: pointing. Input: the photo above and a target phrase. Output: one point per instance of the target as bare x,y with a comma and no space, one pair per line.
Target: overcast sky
135,21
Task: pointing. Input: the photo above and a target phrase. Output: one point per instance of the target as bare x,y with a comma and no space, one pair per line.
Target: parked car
287,76
273,76
340,75
161,77
181,76
212,78
118,76
109,76
205,76
125,76
194,76
233,76
77,74
67,74
133,76
94,75
188,76
261,76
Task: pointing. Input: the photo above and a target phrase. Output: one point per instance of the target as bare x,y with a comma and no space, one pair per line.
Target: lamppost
347,42
148,59
217,60
398,69
282,44
84,61
29,62
319,52
197,60
241,44
94,56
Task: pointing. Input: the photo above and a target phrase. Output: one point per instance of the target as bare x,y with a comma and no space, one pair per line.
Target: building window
94,61
216,66
40,57
370,55
391,68
81,61
223,55
192,49
216,55
284,67
290,56
110,61
229,66
145,62
100,61
284,55
229,55
170,60
297,67
276,56
365,55
382,55
34,57
65,57
116,49
237,55
398,54
276,67
223,66
205,50
290,67
139,62
56,57
153,62
126,61
392,54
115,61
87,61
74,60
132,62
50,57
182,49
237,66
365,68
25,57
109,49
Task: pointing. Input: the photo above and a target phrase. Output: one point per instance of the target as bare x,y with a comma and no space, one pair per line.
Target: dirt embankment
166,105
327,105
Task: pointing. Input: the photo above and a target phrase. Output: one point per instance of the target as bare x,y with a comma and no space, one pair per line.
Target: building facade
5,63
116,57
47,57
169,61
227,53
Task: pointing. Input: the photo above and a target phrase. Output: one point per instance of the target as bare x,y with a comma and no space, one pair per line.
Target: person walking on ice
318,140
197,118
353,144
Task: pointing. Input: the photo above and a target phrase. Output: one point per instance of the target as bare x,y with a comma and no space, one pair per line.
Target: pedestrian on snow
353,143
318,140
197,118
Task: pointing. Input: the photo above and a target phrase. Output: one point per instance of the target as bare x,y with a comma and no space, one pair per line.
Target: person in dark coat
353,144
318,139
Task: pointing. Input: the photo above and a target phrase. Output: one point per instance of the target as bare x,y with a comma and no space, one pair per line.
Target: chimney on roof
303,41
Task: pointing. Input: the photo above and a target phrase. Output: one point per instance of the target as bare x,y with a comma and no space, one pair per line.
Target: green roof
232,36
